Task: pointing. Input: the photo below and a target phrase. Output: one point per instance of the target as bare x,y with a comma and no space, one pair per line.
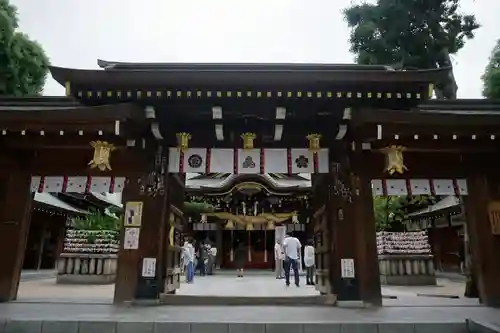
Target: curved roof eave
231,180
447,202
50,200
117,65
207,75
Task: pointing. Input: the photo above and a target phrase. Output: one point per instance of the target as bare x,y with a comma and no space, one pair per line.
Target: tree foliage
390,211
96,220
23,63
491,76
195,209
409,34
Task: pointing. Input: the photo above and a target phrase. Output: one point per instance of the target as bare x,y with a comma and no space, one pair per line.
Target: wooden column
485,247
152,244
321,231
41,245
15,218
368,269
218,244
352,223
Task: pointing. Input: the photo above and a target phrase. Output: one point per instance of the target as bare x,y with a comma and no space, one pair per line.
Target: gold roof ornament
314,142
250,227
183,141
229,225
102,155
394,159
248,139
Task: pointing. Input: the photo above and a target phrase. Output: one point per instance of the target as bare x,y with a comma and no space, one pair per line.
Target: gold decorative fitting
183,141
229,224
102,155
270,225
248,139
314,141
394,159
67,86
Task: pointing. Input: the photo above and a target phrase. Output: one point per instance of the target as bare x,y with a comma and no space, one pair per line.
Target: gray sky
75,33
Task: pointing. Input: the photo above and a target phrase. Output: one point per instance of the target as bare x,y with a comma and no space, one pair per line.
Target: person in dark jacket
202,258
240,254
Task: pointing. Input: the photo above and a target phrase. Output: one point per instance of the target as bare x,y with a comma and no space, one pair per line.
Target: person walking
279,257
309,262
292,247
188,259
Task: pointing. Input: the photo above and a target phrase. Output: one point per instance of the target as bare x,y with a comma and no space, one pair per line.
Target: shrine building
251,132
247,208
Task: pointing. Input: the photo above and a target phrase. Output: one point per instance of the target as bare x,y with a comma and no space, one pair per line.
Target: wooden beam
43,128
120,111
72,162
417,117
429,145
411,132
64,142
428,165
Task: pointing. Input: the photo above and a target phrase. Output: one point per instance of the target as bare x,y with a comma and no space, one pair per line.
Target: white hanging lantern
203,218
295,219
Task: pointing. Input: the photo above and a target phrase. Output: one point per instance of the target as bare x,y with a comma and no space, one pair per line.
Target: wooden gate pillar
367,240
353,228
481,211
15,218
146,214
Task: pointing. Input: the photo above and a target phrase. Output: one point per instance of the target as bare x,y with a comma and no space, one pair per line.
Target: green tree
491,76
195,209
23,63
409,34
96,220
391,211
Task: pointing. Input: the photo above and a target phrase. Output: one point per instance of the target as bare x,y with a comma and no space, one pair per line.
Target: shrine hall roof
51,200
217,182
197,74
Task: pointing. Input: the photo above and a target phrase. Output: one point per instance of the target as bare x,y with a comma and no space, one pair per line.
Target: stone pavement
224,285
248,286
31,274
45,307
79,318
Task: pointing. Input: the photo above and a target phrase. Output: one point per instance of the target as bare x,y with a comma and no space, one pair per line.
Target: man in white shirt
279,257
292,247
309,262
188,259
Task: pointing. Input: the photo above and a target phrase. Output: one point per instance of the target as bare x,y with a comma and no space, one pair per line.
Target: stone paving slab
243,314
226,285
79,318
161,327
481,327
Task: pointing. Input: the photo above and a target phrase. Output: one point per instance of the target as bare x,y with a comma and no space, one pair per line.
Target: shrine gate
143,126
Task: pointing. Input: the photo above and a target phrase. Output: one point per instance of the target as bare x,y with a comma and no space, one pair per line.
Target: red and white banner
247,161
400,187
65,184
